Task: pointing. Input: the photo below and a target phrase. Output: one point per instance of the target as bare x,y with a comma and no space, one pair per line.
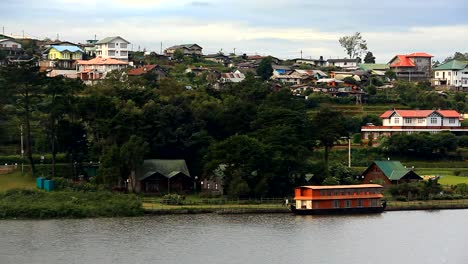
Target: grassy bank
16,180
67,204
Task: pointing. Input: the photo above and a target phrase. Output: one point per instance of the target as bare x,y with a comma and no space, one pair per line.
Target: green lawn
453,180
16,181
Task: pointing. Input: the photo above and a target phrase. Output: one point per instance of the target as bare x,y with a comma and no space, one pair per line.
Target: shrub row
66,204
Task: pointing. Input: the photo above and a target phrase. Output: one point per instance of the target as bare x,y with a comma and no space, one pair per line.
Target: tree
179,54
22,84
132,154
354,45
369,58
265,70
457,56
328,128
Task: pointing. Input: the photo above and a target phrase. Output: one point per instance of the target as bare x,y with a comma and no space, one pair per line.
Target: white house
415,121
9,44
343,63
112,47
232,77
453,73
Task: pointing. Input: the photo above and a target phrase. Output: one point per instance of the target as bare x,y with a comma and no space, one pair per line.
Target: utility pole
301,54
234,51
160,51
349,152
3,30
22,151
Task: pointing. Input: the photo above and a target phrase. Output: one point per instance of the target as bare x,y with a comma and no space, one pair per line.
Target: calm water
392,237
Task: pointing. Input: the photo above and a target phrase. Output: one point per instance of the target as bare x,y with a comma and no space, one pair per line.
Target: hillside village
410,93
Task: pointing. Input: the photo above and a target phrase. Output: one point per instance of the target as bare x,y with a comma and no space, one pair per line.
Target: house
162,176
412,67
89,47
62,57
453,73
148,69
187,49
97,68
232,77
388,172
112,47
219,58
314,62
415,121
257,59
11,48
343,63
299,76
280,69
214,183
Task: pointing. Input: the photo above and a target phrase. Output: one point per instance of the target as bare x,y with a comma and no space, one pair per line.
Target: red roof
420,54
101,61
421,113
404,61
141,70
255,57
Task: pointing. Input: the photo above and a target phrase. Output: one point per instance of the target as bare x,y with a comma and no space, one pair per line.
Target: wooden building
388,172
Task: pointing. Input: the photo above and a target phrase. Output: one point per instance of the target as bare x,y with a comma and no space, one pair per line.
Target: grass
453,180
16,181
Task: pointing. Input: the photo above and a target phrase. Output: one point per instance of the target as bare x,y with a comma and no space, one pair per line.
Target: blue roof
68,48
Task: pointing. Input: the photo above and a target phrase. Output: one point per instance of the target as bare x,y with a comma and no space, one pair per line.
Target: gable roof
452,65
101,61
421,113
142,70
420,54
404,61
393,170
67,48
186,46
343,60
109,39
167,168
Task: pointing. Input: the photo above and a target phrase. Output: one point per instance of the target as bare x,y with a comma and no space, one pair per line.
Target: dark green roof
373,66
452,65
394,170
167,168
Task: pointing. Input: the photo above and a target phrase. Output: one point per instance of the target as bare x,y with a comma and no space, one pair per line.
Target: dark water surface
392,237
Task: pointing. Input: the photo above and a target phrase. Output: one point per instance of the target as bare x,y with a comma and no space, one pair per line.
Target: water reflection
391,237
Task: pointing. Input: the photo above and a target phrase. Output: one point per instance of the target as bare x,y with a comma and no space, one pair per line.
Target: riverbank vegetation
37,204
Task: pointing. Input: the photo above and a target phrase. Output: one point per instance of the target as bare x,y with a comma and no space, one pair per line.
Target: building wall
10,44
421,121
375,175
116,49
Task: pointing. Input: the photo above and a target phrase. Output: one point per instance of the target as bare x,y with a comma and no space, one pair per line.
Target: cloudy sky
278,28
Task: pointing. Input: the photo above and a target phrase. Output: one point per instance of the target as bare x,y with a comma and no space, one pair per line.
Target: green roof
394,170
452,65
109,39
167,168
373,66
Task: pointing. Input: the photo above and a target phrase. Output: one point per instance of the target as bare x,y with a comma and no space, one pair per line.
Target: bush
401,198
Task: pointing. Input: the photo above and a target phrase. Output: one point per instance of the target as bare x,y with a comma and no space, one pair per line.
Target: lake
392,237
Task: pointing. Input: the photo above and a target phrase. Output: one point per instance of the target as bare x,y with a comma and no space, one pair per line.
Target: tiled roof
420,54
325,187
373,66
404,61
101,61
67,48
421,113
141,70
452,65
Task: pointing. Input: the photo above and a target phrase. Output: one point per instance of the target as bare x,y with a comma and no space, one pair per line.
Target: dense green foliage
40,204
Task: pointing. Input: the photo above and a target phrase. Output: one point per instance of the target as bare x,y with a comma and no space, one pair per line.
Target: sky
279,28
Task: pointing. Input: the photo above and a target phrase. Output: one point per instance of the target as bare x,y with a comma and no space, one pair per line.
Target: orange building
363,198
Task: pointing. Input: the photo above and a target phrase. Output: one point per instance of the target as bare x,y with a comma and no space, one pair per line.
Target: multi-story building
415,121
412,67
187,49
112,47
343,63
452,74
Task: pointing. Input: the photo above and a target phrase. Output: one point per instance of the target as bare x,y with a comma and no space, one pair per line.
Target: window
408,120
451,120
397,120
111,53
437,73
123,45
449,73
111,45
374,202
123,53
348,204
14,46
433,120
216,186
336,204
420,120
359,203
208,186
